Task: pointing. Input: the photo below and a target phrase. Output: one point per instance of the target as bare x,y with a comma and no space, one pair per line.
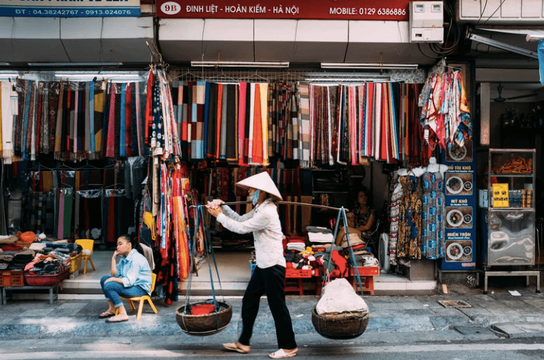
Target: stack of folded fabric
20,259
5,259
49,266
297,243
319,236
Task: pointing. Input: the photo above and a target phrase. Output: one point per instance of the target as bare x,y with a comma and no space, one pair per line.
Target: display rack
510,239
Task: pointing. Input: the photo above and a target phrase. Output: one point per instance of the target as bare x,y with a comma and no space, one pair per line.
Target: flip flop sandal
281,354
115,319
106,314
234,347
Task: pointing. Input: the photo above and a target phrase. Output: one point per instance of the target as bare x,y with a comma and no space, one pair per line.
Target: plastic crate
75,263
11,278
298,273
46,280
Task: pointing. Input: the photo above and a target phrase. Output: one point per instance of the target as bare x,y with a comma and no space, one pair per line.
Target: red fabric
149,107
110,144
128,122
219,117
257,156
340,264
11,247
202,309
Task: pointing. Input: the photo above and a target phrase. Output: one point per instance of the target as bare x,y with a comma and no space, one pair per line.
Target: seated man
360,221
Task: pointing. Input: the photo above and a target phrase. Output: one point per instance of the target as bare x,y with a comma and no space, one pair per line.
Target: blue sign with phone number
56,11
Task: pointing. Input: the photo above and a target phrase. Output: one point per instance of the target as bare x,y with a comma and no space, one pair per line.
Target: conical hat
261,181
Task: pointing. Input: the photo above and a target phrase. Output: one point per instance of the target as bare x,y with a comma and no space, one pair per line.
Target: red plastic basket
10,278
298,273
46,280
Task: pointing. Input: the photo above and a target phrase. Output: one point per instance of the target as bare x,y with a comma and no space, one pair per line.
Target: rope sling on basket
340,325
209,317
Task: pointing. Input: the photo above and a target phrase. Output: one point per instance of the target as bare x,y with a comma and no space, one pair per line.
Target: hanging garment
9,101
242,121
410,213
394,215
232,124
304,111
432,233
211,128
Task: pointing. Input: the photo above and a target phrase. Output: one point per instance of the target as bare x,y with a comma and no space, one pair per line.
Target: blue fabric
122,132
91,117
113,291
134,270
541,60
255,197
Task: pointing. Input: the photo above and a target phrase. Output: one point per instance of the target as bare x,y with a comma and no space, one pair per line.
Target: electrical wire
452,37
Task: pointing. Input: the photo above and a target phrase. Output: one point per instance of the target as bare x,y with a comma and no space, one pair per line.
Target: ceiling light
534,37
257,64
4,64
8,75
119,76
503,46
113,76
374,66
72,64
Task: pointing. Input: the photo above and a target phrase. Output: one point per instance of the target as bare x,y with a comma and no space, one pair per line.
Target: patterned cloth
409,244
432,233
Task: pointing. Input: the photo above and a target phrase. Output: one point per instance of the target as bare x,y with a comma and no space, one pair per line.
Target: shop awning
75,40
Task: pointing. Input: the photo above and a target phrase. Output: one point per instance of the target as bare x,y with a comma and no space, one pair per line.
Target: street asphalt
409,317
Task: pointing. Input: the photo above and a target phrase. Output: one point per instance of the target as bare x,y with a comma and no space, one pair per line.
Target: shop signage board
391,10
70,8
460,211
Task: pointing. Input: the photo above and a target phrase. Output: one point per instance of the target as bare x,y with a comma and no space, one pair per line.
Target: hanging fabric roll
242,105
304,144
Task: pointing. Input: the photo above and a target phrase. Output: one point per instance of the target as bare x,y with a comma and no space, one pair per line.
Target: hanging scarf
9,112
232,124
110,144
242,123
304,115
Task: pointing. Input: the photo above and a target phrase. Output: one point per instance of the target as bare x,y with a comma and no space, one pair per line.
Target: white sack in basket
338,296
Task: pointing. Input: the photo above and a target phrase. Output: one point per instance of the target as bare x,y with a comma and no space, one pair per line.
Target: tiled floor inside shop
234,271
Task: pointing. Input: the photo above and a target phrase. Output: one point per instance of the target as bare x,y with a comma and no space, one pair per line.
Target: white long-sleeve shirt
263,221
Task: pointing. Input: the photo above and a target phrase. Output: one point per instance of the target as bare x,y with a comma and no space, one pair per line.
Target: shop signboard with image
460,208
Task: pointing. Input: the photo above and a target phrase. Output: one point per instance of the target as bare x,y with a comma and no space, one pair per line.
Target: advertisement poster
460,208
500,195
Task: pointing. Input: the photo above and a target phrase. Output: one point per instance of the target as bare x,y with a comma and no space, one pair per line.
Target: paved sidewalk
403,317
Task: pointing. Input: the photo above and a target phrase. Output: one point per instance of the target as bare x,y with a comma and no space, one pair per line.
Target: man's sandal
236,347
282,354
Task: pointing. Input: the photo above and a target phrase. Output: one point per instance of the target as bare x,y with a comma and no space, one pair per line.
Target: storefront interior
505,99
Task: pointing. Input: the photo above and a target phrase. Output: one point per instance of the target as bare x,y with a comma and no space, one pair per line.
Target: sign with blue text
460,213
70,8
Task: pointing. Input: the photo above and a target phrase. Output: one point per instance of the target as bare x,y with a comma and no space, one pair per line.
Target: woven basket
204,325
340,326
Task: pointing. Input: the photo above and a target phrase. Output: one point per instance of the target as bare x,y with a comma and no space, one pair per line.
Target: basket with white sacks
340,313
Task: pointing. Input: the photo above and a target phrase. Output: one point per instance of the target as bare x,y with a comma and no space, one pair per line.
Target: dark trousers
268,281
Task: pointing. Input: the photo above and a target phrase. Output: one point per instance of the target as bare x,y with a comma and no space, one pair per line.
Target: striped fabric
304,134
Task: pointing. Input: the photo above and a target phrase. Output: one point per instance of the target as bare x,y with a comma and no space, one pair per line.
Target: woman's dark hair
133,242
367,193
272,198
